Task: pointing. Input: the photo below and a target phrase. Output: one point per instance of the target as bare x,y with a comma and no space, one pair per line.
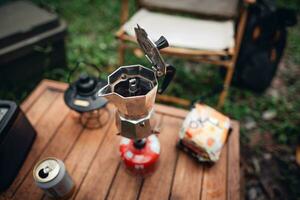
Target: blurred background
270,118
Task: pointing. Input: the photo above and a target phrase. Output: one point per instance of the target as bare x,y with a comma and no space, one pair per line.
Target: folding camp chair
211,33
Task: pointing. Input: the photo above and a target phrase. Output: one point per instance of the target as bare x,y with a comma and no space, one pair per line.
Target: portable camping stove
133,90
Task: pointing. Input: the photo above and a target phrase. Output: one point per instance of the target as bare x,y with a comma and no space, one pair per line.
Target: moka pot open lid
152,53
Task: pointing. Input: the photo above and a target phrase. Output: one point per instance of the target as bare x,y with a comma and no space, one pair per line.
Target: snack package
204,133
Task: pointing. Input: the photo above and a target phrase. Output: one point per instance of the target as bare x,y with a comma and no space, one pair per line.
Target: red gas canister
140,157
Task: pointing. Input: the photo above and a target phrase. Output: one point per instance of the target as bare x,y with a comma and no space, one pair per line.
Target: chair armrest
124,11
250,1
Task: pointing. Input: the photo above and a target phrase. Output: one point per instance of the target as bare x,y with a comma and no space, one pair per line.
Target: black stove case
16,138
31,42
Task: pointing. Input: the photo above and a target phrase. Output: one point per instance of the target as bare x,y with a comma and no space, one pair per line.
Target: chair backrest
219,9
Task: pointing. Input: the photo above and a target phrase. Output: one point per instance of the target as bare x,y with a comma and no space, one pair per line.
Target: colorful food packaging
204,133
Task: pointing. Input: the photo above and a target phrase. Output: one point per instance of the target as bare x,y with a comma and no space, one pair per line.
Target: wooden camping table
91,157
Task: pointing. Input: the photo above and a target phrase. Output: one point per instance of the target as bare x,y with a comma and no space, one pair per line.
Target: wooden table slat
214,184
171,111
42,86
125,186
40,106
187,179
102,170
234,164
158,185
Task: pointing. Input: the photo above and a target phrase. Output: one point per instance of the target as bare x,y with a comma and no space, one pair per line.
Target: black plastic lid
86,85
81,95
10,111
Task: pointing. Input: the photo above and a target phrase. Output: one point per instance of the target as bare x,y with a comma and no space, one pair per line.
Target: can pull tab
170,73
43,173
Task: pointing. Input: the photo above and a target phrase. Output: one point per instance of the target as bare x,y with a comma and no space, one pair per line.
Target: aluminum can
50,175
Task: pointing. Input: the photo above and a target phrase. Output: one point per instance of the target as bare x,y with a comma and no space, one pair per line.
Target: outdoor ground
270,122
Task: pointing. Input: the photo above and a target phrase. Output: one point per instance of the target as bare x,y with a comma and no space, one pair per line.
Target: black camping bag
262,45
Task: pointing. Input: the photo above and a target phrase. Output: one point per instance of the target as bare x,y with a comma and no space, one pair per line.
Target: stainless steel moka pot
132,89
